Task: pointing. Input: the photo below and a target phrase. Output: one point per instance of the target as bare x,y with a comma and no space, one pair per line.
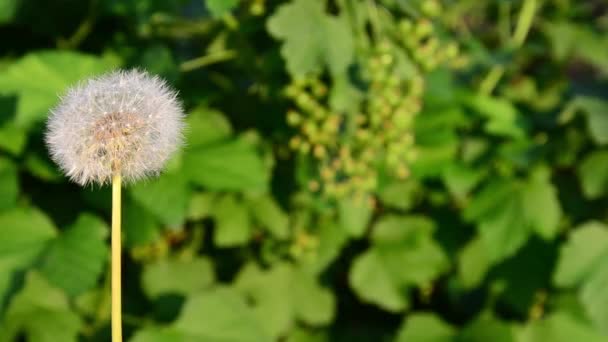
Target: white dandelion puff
126,122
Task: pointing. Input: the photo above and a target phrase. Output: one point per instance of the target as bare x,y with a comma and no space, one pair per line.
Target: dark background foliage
355,170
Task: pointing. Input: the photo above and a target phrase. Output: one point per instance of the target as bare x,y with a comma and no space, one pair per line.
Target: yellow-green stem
116,260
524,22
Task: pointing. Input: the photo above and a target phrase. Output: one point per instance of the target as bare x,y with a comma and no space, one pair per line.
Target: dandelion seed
92,135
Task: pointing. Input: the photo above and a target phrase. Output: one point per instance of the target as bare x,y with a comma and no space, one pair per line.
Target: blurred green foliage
355,170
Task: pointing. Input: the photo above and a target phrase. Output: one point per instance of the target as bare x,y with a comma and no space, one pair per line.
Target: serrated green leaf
580,255
222,310
165,197
175,276
502,115
25,233
13,138
227,166
594,298
232,222
331,241
596,113
354,215
505,231
313,304
41,313
461,179
271,293
267,212
312,39
473,263
506,213
559,327
542,208
206,126
400,195
220,7
403,255
75,259
487,328
201,205
593,174
43,168
283,294
9,184
58,69
372,282
140,227
8,9
156,334
425,327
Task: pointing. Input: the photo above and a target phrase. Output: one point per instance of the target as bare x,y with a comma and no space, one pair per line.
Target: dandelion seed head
124,121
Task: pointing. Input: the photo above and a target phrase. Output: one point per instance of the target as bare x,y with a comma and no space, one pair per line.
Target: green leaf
13,138
283,294
371,280
596,113
271,293
573,39
594,298
232,165
43,168
425,327
232,222
175,276
542,208
313,304
219,315
581,254
58,69
311,39
25,233
166,197
593,174
403,255
461,179
267,212
503,117
355,214
206,126
9,184
331,241
140,227
41,313
8,9
506,213
473,263
407,249
486,329
504,232
307,335
400,195
220,7
155,334
559,327
76,258
201,205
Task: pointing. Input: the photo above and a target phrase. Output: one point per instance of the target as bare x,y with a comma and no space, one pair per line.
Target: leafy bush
381,170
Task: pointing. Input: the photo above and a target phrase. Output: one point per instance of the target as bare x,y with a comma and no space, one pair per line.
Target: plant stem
116,260
202,61
524,22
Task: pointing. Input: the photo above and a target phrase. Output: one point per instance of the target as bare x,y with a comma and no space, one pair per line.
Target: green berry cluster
349,149
421,40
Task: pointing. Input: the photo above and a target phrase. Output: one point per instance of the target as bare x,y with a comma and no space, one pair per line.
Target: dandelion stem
116,260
